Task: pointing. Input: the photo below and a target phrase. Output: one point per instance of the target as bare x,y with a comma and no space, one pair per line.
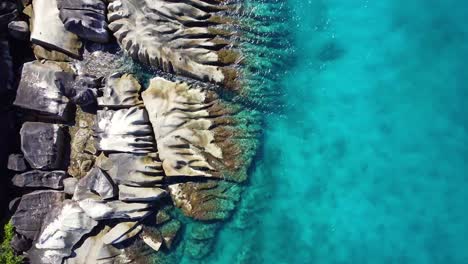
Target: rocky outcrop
32,209
122,232
143,170
96,184
16,162
48,30
197,134
42,145
124,130
121,90
40,89
20,243
63,227
100,210
140,194
85,18
182,37
69,185
40,179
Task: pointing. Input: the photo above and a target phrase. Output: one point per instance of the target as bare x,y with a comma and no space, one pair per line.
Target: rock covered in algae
103,210
140,194
198,135
124,130
49,31
95,183
182,37
85,18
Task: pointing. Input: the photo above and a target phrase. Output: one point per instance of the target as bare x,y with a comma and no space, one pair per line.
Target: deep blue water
368,162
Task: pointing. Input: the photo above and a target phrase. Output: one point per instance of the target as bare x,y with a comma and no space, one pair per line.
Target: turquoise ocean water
367,161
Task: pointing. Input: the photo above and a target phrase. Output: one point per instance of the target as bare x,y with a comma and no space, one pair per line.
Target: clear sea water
368,161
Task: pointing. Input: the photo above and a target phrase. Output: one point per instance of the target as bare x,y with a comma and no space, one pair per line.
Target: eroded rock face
133,169
39,89
40,179
122,232
125,130
182,37
42,145
19,30
100,210
121,90
49,31
197,134
140,194
85,18
32,209
96,183
63,227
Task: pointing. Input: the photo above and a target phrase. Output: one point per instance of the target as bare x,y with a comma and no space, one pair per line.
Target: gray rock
62,228
140,194
122,232
42,145
37,178
14,204
20,244
100,210
121,90
85,18
69,185
16,162
19,30
124,130
40,89
134,169
95,182
83,90
32,210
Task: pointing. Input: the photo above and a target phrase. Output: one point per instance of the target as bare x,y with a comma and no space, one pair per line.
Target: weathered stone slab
140,194
69,185
93,184
32,209
85,18
16,162
37,178
39,89
124,130
49,31
42,145
121,90
133,169
100,210
122,232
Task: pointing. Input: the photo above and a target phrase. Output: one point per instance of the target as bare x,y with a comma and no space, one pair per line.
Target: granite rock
49,31
40,89
69,185
140,194
95,183
32,209
40,179
133,169
13,204
100,210
16,162
122,232
42,145
120,90
124,130
8,12
85,18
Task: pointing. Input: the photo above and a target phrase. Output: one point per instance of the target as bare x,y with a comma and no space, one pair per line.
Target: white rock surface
99,210
122,232
140,194
95,182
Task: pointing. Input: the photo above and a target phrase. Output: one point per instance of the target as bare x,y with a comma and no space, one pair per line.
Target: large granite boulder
40,179
83,151
140,194
63,227
122,232
32,209
16,162
69,185
182,37
40,89
199,135
49,31
100,210
120,90
143,170
96,183
85,18
124,130
42,145
152,237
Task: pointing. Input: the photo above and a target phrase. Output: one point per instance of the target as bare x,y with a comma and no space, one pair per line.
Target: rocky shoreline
105,157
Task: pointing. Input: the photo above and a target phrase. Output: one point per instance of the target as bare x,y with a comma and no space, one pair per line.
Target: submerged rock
69,185
63,227
197,134
49,31
93,184
152,237
32,209
37,179
42,145
140,194
121,90
133,169
124,130
85,18
122,232
181,37
16,162
39,89
169,232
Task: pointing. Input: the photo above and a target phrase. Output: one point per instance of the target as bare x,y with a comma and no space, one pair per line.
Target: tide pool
367,160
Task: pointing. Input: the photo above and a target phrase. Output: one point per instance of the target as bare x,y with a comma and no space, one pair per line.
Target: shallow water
368,161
